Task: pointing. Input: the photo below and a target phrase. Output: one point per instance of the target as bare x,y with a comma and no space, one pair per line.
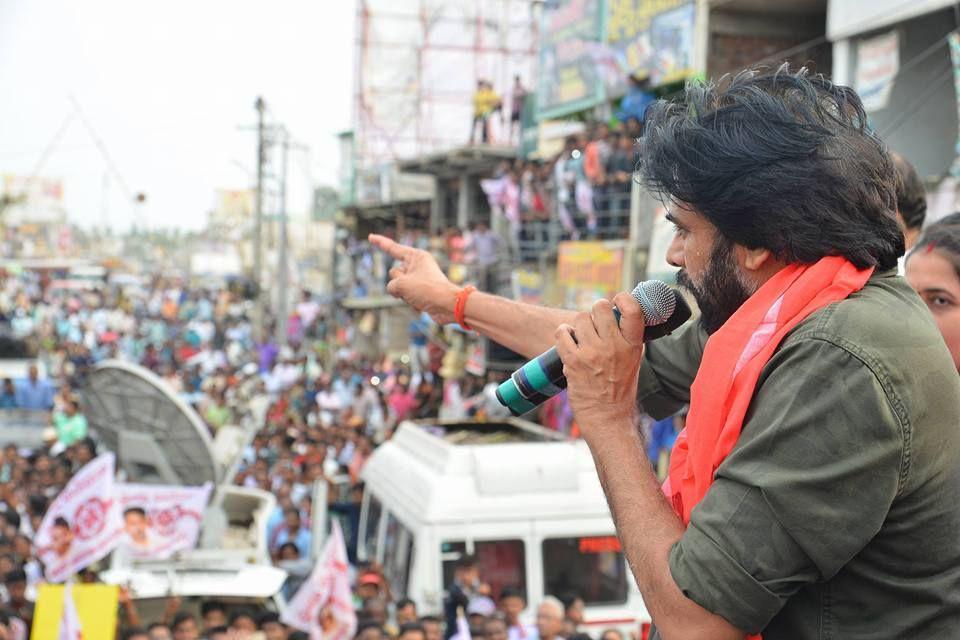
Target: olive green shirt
837,514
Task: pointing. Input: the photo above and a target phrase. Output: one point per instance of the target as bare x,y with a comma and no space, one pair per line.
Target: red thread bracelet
460,306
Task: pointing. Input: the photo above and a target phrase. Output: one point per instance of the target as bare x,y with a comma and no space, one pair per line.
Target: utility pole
283,249
258,333
283,275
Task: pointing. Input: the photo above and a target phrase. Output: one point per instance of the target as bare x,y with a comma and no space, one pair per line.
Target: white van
526,502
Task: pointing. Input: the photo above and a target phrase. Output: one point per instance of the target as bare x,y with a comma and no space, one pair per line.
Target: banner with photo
630,34
671,35
323,606
83,522
569,77
160,520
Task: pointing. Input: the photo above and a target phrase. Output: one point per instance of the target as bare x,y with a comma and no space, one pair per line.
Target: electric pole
258,227
282,273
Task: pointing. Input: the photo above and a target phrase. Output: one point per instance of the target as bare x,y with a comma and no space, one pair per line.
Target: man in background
406,612
517,101
911,199
293,531
465,586
550,615
34,393
485,103
511,604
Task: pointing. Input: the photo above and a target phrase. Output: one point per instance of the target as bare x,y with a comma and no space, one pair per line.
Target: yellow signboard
590,265
96,606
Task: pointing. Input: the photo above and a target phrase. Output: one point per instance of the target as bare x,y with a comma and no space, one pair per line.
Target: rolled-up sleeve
808,485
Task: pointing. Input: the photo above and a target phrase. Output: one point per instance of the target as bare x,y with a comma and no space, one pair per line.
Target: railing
597,213
603,214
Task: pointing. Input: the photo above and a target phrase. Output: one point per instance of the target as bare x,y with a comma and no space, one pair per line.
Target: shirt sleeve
808,485
669,366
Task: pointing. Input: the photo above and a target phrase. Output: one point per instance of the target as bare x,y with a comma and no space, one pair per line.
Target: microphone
541,378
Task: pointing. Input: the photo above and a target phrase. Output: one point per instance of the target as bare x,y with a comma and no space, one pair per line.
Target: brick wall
729,53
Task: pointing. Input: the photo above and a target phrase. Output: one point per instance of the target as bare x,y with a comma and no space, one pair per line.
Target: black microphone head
657,300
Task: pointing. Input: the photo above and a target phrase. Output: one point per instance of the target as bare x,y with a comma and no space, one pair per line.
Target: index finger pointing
385,244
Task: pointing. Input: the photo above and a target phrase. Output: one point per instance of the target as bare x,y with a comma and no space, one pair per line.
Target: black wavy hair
781,160
911,196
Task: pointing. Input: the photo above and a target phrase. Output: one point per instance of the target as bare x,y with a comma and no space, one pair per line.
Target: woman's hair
942,236
780,160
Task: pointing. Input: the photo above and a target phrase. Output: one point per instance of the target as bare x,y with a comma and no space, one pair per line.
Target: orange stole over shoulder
732,361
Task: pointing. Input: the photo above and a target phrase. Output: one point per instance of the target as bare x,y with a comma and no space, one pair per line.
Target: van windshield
589,567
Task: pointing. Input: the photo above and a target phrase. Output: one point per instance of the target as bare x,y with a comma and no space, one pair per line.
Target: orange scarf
732,361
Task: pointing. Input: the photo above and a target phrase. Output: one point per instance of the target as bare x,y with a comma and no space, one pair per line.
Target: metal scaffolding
418,63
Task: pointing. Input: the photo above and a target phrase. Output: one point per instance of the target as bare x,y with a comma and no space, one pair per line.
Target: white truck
522,499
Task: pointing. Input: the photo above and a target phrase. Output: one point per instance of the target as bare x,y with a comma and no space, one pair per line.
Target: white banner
160,520
878,61
323,605
83,523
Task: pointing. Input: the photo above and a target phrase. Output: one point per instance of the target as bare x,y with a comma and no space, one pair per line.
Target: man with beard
808,495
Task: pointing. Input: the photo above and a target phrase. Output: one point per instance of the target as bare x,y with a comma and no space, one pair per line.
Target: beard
721,291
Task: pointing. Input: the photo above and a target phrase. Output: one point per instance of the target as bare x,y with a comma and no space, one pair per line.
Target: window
590,567
397,555
502,563
368,540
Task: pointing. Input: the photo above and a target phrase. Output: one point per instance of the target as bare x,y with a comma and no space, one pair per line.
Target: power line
48,150
919,102
102,148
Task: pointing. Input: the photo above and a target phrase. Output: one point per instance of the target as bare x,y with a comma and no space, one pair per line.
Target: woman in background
933,270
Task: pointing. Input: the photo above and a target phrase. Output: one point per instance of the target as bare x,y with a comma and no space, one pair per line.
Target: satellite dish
157,437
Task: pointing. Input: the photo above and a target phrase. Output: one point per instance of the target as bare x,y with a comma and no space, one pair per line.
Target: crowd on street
326,406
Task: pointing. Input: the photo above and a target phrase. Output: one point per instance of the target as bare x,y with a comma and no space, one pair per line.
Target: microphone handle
542,377
545,373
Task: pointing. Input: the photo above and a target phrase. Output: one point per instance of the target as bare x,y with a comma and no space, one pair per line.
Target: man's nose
675,252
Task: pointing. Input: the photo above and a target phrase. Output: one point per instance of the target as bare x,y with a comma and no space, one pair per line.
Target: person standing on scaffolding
485,103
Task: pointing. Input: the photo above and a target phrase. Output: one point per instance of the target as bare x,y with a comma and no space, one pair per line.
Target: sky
167,87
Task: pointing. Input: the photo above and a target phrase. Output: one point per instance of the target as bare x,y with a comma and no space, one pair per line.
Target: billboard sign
630,32
570,79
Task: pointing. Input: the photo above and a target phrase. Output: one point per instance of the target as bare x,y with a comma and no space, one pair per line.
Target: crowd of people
471,611
582,193
317,405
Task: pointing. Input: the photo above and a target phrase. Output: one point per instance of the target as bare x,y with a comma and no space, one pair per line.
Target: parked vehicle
522,499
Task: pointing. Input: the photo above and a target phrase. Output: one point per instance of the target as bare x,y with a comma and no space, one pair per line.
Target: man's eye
940,301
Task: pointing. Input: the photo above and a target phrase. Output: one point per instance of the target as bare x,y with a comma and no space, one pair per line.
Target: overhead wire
922,99
51,146
102,148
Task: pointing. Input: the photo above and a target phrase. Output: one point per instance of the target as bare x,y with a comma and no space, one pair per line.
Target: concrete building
896,54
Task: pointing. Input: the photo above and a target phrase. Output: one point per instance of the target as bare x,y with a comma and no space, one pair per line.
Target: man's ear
754,260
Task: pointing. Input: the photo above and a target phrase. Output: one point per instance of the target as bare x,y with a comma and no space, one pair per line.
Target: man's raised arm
417,279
